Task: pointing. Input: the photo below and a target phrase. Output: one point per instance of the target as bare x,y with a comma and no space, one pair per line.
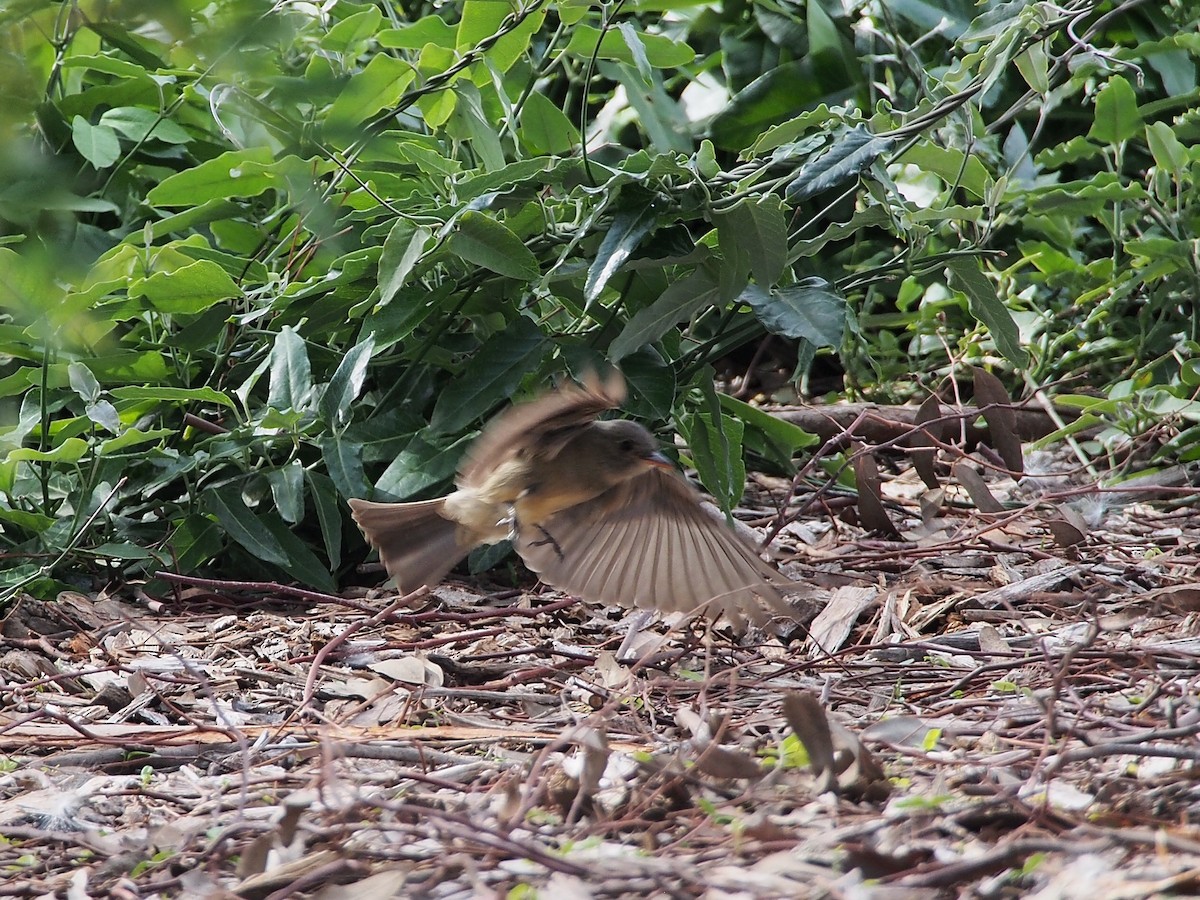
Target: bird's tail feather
417,544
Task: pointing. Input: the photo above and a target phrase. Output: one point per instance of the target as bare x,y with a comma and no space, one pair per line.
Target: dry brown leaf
925,441
870,501
384,885
1002,422
965,474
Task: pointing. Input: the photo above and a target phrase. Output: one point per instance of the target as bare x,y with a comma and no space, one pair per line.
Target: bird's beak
658,460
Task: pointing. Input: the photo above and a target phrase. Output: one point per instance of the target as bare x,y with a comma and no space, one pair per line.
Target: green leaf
479,127
173,394
287,490
651,383
353,32
1093,197
482,18
1076,149
757,229
831,52
300,562
139,124
397,320
784,437
120,550
97,144
109,65
344,386
436,108
133,437
343,462
219,178
240,523
187,290
950,164
194,542
986,306
491,376
325,501
266,537
69,451
706,160
141,50
628,228
29,521
1169,152
291,376
421,465
661,51
545,128
401,250
779,94
637,49
1034,67
105,415
83,382
678,303
19,381
788,134
131,366
1117,118
482,241
428,30
715,443
377,87
851,153
810,309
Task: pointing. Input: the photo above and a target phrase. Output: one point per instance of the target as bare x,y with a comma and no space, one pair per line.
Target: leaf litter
980,702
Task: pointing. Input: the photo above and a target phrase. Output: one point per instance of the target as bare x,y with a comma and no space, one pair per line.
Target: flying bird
592,506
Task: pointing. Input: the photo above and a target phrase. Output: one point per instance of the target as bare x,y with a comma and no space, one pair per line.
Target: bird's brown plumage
592,507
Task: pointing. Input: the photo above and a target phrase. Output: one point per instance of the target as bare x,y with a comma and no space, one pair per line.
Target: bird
591,505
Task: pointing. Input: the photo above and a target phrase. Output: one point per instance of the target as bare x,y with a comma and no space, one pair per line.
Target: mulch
987,704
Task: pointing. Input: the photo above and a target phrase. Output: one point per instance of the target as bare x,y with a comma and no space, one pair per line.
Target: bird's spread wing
544,424
648,543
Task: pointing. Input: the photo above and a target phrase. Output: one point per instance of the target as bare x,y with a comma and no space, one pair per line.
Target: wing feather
546,423
649,543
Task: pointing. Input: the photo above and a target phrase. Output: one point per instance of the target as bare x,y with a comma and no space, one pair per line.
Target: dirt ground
984,704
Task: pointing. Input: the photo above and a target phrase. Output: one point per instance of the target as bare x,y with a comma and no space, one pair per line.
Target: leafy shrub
262,259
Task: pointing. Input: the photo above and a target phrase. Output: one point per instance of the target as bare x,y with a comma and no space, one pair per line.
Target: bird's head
635,447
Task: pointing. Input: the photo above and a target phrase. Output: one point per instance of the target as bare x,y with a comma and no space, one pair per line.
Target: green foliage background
256,259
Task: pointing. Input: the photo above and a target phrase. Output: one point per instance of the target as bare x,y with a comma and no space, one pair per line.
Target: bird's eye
626,446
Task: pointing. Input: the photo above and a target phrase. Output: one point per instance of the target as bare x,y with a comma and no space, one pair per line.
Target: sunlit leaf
291,375
97,144
1117,118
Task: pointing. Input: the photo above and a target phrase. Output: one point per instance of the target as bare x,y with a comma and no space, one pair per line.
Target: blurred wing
648,543
545,423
